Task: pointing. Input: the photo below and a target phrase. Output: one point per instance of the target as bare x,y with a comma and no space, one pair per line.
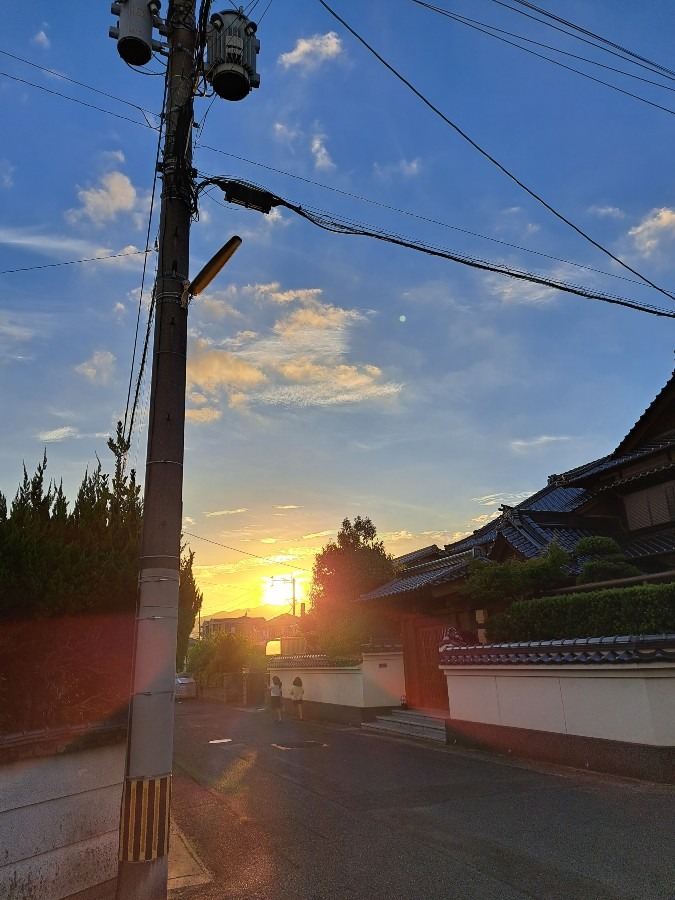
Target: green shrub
639,609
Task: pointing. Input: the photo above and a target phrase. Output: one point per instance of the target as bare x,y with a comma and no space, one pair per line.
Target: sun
279,592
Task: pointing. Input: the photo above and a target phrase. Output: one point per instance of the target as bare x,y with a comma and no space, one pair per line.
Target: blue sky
330,375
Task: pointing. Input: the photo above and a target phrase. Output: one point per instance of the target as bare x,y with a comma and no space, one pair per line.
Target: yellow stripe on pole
144,819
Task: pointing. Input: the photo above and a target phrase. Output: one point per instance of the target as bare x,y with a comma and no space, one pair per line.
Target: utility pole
290,580
231,49
144,823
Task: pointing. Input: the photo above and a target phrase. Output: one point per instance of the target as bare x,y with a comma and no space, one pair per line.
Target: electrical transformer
231,51
134,30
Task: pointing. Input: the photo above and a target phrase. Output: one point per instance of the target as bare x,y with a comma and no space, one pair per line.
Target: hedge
640,609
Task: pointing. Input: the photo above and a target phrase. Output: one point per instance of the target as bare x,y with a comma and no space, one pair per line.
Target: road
309,811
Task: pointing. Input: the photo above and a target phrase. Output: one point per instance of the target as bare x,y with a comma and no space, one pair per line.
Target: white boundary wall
379,681
627,702
59,821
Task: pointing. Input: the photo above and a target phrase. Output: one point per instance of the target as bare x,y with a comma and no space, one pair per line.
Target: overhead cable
492,159
73,262
488,30
254,197
604,45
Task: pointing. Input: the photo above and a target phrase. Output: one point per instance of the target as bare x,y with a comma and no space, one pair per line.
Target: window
653,506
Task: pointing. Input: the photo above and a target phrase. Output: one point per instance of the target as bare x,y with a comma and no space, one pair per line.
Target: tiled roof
581,651
409,558
661,402
424,576
608,463
650,544
555,498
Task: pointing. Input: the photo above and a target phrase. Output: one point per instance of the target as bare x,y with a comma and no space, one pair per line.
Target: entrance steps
426,725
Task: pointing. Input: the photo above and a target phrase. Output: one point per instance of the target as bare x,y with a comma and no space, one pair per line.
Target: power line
140,297
407,212
108,112
82,84
635,58
246,552
320,185
246,194
491,158
489,29
73,262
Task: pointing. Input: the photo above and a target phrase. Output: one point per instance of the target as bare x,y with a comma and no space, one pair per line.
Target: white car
186,688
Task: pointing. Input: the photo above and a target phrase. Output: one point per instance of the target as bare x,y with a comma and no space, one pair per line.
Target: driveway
310,811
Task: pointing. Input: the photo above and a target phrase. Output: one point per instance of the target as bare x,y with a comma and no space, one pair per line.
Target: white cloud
202,416
272,291
509,499
58,434
609,212
655,229
115,194
310,52
225,512
40,39
404,168
284,133
517,290
322,159
6,173
99,368
287,506
544,440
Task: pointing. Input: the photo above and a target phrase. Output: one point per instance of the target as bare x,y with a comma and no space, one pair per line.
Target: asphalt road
307,811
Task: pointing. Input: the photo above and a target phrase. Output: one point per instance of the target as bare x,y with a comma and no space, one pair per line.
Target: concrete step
417,717
418,726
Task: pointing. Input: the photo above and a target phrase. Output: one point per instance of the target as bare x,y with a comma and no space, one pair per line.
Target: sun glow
279,592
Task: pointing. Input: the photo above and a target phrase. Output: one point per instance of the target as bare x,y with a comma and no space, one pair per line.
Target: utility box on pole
231,51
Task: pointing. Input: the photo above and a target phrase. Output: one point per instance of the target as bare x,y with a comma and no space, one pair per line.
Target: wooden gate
426,687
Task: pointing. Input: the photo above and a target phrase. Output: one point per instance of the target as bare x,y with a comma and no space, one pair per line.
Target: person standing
275,696
297,693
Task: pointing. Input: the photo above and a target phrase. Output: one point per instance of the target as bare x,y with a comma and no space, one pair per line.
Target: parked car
186,687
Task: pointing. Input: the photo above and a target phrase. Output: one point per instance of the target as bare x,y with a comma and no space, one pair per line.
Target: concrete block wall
59,819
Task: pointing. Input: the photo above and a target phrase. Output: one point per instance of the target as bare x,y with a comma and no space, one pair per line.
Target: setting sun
279,591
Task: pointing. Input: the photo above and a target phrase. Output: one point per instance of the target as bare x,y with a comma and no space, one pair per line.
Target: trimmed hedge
640,609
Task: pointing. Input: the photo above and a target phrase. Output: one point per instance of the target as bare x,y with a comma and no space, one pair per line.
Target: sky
330,375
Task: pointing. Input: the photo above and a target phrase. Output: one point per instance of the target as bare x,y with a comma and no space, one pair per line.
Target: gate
426,687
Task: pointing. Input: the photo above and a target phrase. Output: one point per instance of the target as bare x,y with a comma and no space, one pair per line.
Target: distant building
257,629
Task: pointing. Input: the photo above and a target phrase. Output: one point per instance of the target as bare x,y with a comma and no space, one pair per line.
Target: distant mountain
265,611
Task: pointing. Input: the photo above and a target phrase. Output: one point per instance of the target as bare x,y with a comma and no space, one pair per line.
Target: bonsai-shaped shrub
604,560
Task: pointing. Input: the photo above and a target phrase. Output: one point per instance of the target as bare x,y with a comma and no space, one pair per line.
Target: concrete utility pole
231,49
144,824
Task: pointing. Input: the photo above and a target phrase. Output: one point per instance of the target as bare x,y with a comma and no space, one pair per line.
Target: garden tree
189,603
494,583
604,560
212,657
352,565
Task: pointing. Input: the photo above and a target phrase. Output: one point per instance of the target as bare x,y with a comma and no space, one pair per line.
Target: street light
213,266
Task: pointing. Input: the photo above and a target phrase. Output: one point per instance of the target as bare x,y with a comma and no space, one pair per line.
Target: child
275,696
297,691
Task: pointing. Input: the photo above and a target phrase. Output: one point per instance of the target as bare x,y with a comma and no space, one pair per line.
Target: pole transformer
146,799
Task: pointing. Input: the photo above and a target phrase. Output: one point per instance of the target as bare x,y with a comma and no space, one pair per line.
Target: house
256,628
628,495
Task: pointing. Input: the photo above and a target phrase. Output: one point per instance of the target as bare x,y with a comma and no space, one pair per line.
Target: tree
352,565
604,560
189,603
495,583
212,657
